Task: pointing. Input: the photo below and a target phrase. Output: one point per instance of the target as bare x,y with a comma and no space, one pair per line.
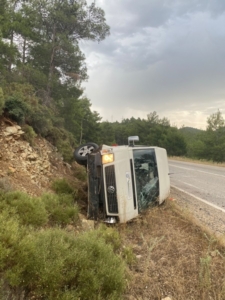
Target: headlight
107,158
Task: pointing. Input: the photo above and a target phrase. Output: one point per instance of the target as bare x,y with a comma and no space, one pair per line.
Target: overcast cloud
166,56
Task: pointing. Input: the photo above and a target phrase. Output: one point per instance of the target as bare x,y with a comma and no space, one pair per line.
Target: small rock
131,297
10,130
213,253
32,156
12,170
88,224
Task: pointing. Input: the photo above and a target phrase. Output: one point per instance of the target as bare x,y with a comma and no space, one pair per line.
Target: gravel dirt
206,215
176,256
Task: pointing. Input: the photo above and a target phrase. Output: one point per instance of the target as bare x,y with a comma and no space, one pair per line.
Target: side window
146,175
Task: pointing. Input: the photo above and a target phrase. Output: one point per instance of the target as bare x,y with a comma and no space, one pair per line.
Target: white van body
137,177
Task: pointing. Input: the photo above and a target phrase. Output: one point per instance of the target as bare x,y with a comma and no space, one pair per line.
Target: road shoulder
206,215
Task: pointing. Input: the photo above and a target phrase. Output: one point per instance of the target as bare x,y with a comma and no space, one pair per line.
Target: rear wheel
81,152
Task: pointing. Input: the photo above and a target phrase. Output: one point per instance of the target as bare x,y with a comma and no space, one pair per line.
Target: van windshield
146,173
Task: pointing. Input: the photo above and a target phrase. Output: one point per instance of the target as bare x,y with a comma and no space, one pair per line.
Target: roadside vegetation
175,256
47,254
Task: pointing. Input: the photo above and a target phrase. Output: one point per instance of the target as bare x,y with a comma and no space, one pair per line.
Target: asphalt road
205,182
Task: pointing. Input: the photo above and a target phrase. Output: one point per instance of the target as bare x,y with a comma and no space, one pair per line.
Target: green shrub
128,255
80,172
66,150
63,140
16,108
11,233
61,186
101,273
31,210
61,209
64,215
23,91
40,120
37,212
29,134
53,264
110,236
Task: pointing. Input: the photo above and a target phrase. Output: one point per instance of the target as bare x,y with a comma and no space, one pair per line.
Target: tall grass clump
205,273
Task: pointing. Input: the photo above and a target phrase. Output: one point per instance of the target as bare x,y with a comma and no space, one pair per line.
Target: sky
166,56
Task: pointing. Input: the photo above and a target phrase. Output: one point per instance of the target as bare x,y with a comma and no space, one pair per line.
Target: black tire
80,154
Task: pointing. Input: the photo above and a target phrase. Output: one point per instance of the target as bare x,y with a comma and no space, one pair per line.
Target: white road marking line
196,170
200,199
190,185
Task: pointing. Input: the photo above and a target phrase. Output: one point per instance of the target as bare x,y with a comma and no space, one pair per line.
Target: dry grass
175,257
198,161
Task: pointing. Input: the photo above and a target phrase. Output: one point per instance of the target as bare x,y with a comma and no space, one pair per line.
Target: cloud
160,56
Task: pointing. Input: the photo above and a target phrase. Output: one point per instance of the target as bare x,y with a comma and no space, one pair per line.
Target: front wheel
80,154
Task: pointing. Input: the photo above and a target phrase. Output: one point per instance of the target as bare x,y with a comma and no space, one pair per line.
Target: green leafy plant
61,186
29,133
61,209
110,236
16,108
31,210
11,233
80,172
53,264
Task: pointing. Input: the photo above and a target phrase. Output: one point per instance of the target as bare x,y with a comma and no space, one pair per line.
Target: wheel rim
85,150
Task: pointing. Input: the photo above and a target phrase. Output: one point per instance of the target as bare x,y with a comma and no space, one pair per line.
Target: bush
61,209
29,134
37,212
110,236
31,210
80,172
66,150
54,264
61,186
11,233
40,120
63,140
16,109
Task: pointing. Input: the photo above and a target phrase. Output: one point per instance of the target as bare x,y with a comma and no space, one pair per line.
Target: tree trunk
51,69
24,50
14,4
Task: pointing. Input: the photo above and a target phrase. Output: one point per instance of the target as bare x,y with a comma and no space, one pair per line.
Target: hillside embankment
29,168
171,250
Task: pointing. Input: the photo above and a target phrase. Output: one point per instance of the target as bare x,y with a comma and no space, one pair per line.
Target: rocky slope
29,168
